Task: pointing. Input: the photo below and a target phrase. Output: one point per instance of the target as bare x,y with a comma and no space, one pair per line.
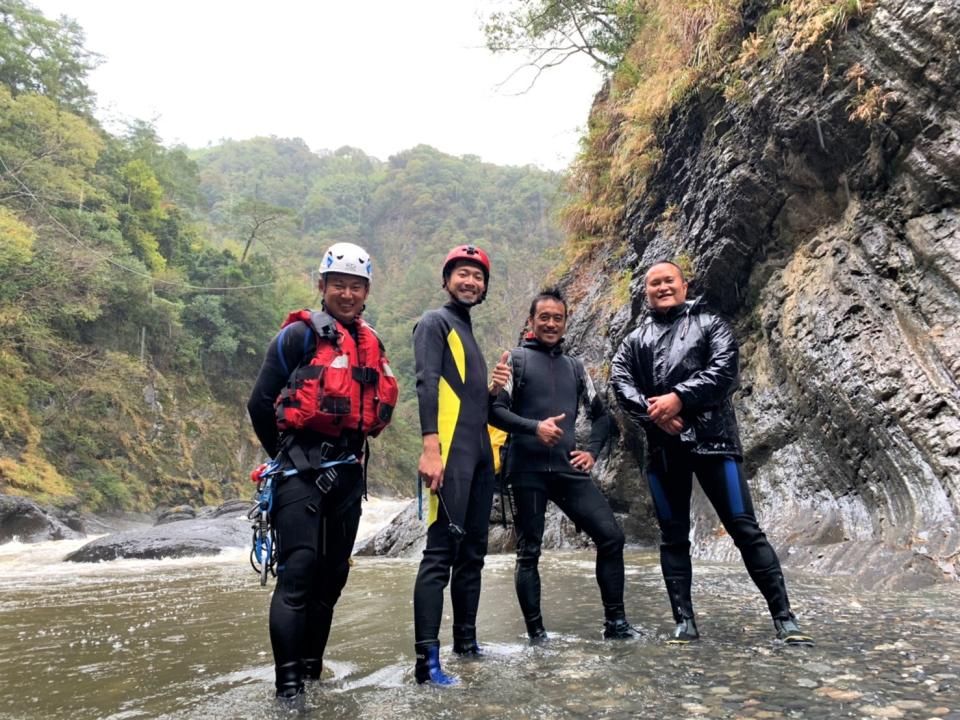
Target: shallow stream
188,639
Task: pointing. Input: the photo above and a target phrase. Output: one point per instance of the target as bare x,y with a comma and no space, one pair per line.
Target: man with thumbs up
538,406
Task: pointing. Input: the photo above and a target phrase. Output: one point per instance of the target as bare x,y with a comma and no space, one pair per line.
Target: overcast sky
380,75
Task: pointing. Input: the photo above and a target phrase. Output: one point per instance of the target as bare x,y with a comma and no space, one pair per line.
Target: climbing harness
263,554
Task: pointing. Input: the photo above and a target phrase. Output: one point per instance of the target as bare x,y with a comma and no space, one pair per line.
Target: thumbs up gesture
549,432
501,374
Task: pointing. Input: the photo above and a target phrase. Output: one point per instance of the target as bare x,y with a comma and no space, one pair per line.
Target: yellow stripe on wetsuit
448,411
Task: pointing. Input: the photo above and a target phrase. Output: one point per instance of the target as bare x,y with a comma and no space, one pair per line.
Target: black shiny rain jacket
692,352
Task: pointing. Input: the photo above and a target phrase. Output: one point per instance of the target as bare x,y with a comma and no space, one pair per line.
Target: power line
106,258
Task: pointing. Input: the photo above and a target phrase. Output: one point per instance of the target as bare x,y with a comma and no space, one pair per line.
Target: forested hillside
140,285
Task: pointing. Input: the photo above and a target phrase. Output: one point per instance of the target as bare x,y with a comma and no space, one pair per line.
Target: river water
188,639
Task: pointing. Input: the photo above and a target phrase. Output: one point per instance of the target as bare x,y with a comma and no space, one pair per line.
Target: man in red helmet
456,462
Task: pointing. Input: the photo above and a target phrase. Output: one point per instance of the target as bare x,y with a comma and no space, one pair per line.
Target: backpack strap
319,323
579,373
517,364
325,327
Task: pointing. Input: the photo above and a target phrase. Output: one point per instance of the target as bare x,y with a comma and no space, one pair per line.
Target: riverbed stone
887,711
176,513
404,536
838,694
182,538
28,521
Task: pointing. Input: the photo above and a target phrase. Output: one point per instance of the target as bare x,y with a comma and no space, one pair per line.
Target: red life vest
347,385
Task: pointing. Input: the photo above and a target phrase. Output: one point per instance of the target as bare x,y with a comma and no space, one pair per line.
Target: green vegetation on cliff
140,285
656,53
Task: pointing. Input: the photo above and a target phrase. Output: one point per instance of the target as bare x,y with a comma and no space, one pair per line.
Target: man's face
665,287
465,283
344,295
548,322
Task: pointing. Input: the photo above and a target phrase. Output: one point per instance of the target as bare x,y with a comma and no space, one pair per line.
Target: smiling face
665,287
548,322
465,283
344,295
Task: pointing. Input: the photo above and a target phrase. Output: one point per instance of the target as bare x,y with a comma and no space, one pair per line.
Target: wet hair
552,293
665,261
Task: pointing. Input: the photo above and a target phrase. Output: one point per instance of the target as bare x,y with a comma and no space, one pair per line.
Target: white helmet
348,259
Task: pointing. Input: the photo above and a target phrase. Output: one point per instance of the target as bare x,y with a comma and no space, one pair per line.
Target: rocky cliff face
820,208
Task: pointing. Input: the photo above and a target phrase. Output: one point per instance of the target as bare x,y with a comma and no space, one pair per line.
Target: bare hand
582,460
500,375
548,432
664,407
673,426
430,467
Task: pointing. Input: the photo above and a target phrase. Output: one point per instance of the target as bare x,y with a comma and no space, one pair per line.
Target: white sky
381,75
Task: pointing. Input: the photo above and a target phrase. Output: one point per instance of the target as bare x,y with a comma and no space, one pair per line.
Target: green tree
45,152
176,172
260,222
44,57
550,32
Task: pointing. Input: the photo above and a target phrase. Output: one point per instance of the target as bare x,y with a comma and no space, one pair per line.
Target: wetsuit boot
616,627
312,667
465,641
789,632
289,681
536,632
686,630
427,669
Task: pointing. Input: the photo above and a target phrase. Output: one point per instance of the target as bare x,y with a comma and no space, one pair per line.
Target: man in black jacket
674,376
538,407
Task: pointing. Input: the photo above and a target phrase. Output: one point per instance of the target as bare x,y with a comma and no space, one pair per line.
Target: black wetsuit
315,531
692,352
452,394
545,383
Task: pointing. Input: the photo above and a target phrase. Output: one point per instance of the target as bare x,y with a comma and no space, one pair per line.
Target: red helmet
471,253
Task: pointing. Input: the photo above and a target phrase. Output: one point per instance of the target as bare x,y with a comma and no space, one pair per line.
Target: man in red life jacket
324,387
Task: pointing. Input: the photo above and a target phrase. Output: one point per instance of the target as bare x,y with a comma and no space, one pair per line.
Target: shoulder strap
517,363
324,325
318,322
579,372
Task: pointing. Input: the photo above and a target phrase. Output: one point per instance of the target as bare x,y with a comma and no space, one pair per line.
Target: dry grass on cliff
678,41
682,45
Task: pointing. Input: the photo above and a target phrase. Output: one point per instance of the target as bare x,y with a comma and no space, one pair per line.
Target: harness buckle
325,480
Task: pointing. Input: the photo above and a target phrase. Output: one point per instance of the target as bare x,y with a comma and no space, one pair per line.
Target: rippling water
188,639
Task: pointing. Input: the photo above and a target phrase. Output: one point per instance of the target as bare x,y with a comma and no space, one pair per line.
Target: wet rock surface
834,245
406,534
223,527
28,521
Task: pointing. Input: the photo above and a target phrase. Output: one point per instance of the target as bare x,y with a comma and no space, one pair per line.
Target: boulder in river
28,521
183,538
405,535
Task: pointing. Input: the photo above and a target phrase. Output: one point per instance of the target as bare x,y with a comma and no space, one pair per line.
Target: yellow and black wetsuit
452,393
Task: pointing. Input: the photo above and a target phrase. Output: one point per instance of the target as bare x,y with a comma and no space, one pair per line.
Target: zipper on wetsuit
553,404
